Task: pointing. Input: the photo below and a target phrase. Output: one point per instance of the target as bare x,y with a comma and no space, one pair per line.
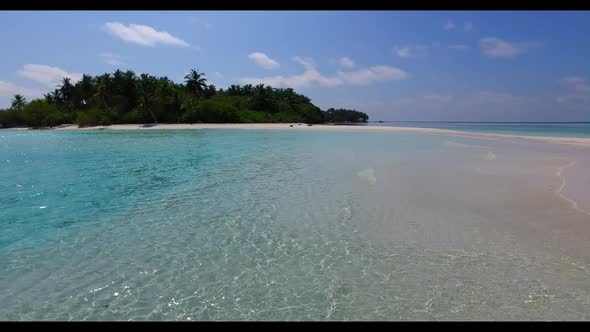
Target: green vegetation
124,97
344,116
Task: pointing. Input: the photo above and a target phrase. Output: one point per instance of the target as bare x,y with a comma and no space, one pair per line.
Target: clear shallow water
558,129
281,225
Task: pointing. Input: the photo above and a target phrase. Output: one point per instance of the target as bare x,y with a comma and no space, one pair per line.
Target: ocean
290,225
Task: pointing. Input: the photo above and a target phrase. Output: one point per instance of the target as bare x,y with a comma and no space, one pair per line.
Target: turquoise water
557,129
284,225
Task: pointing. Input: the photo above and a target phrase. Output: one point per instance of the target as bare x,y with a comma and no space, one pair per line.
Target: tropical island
126,98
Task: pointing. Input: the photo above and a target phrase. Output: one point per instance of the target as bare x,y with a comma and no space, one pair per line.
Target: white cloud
50,76
458,47
412,50
8,90
111,59
372,74
307,62
581,90
573,99
496,47
262,60
402,52
572,80
468,26
346,62
578,83
143,35
312,77
449,25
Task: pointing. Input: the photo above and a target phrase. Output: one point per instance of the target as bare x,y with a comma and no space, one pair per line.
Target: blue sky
438,65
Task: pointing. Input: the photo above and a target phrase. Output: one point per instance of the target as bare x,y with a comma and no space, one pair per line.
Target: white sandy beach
295,126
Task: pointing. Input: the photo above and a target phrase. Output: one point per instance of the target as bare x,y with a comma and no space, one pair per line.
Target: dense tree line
343,115
124,97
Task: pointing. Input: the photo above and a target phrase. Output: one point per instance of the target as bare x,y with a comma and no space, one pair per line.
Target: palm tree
147,86
195,81
85,90
18,102
247,90
67,92
102,95
210,91
49,97
234,90
129,90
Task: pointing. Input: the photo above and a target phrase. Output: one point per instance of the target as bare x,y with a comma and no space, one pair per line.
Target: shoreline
583,141
573,203
578,141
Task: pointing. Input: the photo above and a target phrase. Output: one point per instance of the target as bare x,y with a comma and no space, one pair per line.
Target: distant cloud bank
312,77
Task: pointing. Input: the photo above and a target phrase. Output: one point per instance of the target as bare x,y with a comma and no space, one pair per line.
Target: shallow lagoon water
551,129
280,225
